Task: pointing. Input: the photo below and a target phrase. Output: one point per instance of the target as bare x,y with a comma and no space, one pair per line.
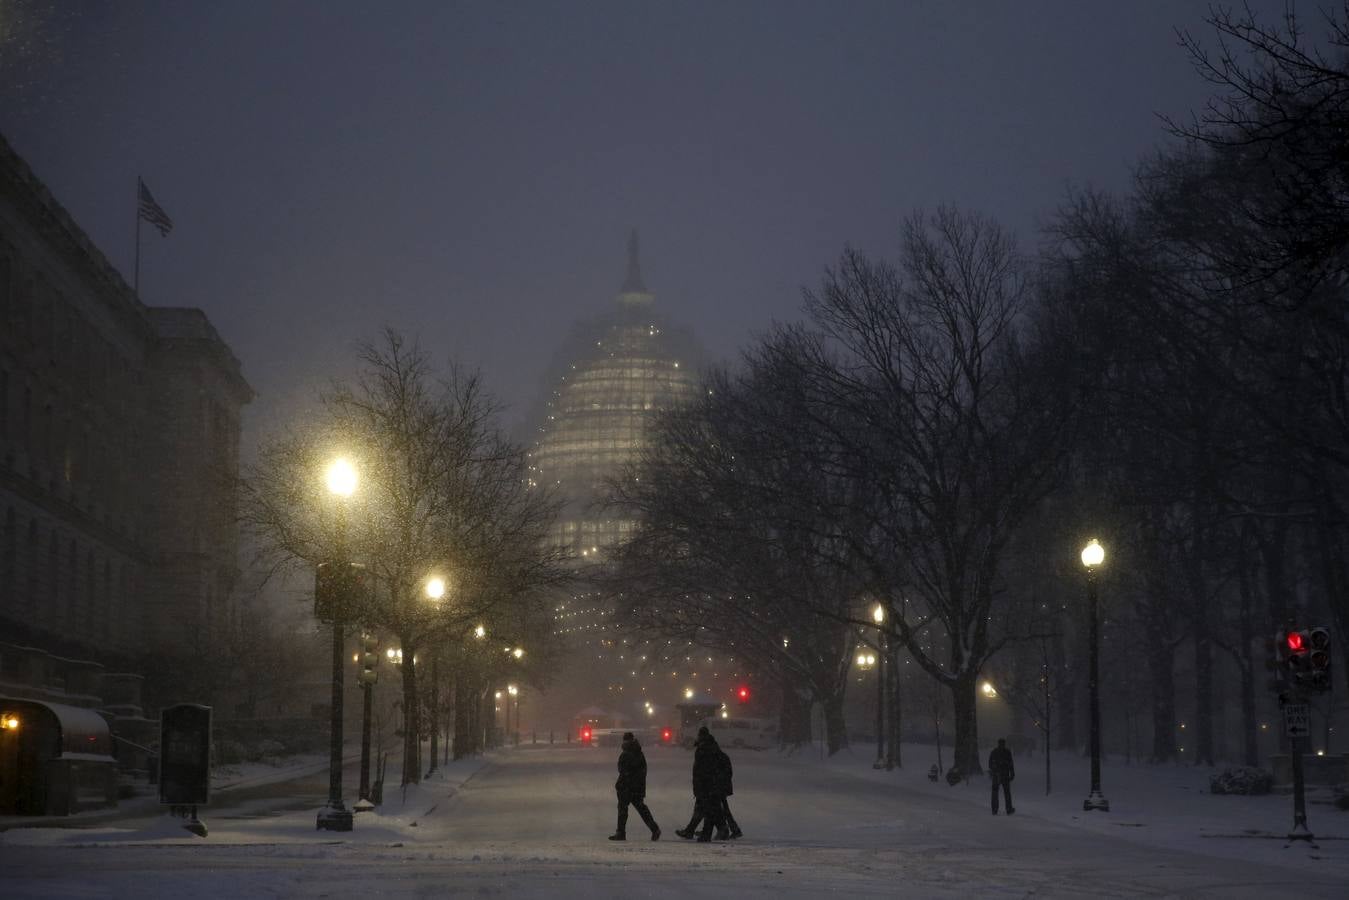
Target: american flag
152,212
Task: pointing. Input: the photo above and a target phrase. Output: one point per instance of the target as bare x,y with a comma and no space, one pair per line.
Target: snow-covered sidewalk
395,820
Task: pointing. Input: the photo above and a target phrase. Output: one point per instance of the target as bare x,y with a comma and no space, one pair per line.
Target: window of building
6,292
73,589
8,561
54,577
29,599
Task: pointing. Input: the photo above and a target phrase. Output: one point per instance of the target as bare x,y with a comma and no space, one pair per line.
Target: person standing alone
631,788
1001,771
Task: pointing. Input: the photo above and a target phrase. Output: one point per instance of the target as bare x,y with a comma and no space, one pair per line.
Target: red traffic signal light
585,735
1295,642
666,735
743,694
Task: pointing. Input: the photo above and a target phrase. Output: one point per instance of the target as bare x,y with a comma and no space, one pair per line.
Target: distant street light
341,480
435,592
1092,556
988,690
480,632
883,760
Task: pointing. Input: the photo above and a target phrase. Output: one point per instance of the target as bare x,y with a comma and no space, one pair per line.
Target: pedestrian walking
1001,770
708,805
631,788
724,789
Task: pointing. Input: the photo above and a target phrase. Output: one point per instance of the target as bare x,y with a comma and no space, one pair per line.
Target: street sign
1297,720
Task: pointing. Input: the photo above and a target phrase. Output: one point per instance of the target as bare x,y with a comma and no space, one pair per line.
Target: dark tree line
944,432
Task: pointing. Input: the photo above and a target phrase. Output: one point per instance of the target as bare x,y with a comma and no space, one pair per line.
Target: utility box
185,755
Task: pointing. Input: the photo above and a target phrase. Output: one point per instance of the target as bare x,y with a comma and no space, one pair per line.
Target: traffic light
666,735
585,735
1296,665
1318,644
369,658
742,694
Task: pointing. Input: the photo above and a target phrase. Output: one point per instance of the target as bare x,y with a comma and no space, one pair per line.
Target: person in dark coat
1001,771
631,788
725,789
707,780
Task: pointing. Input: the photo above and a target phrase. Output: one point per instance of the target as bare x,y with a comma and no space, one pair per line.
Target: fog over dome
610,379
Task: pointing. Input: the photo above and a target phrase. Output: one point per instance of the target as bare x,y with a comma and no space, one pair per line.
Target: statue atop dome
634,289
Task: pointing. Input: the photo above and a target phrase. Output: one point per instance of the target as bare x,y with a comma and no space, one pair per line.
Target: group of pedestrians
712,786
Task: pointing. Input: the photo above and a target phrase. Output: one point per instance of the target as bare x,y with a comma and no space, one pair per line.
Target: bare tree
442,493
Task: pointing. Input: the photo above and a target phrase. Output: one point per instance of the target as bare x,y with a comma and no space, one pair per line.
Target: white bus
749,734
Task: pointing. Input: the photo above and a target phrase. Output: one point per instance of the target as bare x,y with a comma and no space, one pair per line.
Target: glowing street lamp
435,588
341,477
1092,556
988,690
883,760
480,632
341,480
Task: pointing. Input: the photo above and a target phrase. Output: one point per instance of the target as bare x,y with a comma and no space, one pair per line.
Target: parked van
749,734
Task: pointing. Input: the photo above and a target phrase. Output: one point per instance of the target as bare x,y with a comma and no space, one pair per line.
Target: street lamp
369,675
514,693
883,761
435,592
341,479
1092,556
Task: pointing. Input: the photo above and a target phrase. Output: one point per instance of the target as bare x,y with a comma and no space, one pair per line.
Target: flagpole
136,282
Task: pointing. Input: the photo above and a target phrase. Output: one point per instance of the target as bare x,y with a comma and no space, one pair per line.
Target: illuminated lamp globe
341,478
435,588
1093,554
878,614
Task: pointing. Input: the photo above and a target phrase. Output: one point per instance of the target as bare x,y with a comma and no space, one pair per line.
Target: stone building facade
119,438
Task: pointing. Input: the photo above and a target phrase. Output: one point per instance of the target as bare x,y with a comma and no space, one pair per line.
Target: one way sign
1297,720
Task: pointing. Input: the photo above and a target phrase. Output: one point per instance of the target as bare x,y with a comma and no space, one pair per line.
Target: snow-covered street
533,823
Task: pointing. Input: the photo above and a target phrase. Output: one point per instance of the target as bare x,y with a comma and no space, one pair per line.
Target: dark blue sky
468,172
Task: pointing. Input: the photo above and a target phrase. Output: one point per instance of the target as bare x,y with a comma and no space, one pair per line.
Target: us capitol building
614,374
611,378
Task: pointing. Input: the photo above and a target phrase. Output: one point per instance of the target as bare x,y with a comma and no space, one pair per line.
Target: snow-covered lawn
533,822
1165,806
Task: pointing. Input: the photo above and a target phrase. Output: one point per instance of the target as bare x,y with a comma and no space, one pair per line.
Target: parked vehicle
750,734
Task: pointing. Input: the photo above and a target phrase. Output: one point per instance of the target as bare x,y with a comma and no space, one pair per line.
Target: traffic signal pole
1300,830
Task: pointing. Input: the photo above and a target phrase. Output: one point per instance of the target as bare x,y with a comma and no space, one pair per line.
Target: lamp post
341,480
1092,556
866,661
369,675
878,616
514,693
435,590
